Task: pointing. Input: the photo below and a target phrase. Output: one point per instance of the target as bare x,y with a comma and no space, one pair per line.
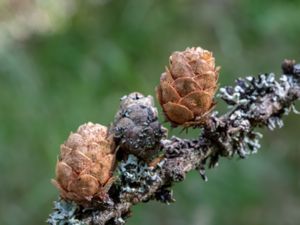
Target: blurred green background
63,63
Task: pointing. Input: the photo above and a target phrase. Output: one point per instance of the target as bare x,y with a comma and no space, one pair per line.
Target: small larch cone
136,127
85,165
187,87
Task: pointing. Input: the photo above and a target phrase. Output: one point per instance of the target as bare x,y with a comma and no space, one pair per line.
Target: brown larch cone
187,87
85,165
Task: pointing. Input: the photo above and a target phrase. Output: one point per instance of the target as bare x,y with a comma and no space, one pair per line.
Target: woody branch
253,102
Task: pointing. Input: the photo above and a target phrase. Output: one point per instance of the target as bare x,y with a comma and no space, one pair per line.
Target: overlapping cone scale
85,165
187,87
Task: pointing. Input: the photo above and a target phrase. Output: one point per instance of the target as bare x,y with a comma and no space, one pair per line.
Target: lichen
244,99
136,176
64,213
251,90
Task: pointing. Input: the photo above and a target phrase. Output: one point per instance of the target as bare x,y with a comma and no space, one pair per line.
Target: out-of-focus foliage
63,63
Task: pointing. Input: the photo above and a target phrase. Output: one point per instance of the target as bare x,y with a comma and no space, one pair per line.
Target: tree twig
254,102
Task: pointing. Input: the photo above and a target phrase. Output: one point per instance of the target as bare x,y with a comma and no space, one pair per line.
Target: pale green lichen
64,214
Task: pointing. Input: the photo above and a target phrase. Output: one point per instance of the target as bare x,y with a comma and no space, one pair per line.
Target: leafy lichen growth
136,176
64,213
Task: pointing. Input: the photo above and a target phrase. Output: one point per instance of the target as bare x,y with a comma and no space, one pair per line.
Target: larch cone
187,87
85,165
136,127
